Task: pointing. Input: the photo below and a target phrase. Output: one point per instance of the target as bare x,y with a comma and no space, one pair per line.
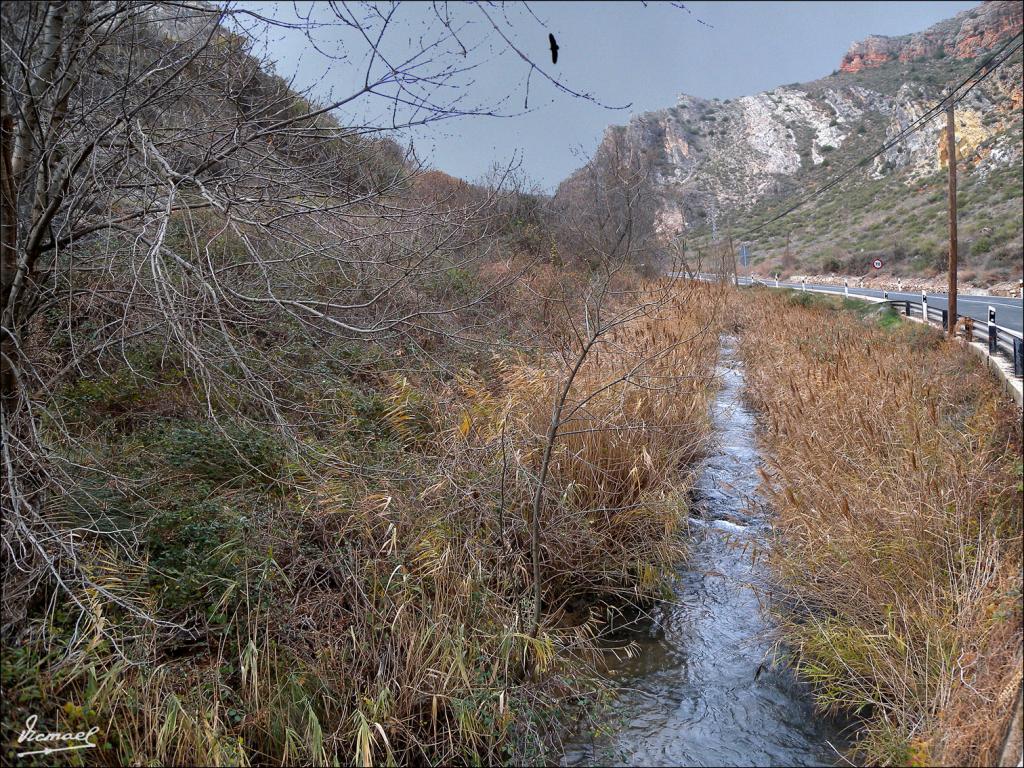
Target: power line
991,64
913,127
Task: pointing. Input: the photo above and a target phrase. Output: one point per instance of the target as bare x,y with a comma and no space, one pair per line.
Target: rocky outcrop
711,155
734,165
711,158
993,23
871,52
965,36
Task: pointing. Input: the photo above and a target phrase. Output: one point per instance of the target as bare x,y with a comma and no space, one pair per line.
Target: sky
630,57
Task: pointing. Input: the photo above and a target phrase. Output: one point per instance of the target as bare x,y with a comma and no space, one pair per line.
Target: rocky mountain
965,36
732,164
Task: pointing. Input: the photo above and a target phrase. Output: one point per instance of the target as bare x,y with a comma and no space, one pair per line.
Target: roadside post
924,306
846,286
899,284
951,163
803,284
993,338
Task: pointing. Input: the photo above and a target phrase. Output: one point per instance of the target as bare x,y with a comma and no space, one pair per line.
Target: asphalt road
1009,312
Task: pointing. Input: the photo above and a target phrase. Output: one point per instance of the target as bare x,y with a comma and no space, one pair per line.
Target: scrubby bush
231,453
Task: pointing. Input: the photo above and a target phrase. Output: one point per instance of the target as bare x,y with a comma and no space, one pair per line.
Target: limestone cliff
730,161
965,36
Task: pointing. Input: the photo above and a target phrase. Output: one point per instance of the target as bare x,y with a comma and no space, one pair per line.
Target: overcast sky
622,53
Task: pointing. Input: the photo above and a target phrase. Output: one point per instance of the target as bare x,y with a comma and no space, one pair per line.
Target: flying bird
554,48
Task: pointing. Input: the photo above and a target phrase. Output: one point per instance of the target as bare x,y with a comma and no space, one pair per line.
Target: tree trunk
8,253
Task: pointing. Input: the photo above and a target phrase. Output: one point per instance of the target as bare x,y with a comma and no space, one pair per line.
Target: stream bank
701,690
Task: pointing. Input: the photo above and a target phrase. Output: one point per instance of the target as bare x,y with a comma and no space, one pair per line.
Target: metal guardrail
999,339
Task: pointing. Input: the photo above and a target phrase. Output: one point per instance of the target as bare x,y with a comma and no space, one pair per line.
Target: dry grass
369,617
895,470
623,442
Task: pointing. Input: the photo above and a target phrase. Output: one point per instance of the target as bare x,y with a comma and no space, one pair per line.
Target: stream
694,694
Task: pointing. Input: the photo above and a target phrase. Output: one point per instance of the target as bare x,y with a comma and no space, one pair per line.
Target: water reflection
698,692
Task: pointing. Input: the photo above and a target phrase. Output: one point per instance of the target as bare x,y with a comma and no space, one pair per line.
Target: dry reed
384,618
895,469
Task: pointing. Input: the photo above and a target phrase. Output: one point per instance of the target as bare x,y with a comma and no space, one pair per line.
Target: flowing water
697,693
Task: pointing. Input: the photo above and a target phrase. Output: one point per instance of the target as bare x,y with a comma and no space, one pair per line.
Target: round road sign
877,264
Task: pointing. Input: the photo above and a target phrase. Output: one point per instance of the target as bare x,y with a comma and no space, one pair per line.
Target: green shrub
102,397
981,245
800,299
461,281
888,317
194,548
222,454
832,264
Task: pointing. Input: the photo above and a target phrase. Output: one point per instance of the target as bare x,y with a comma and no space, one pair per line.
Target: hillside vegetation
358,590
312,456
896,214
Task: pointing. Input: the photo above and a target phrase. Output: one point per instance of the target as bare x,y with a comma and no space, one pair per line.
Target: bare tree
608,227
677,254
160,186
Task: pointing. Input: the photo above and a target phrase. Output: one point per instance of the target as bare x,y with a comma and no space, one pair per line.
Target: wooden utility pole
951,159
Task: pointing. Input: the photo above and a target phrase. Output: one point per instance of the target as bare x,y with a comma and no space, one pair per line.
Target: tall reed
895,469
368,599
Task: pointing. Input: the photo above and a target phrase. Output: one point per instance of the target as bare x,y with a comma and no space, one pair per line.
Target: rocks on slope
711,156
965,36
